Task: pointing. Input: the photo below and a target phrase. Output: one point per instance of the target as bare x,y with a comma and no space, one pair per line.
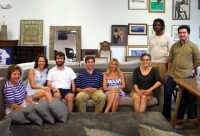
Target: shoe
180,121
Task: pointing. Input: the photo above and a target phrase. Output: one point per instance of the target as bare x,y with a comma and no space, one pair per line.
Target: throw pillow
5,127
31,114
18,117
151,131
42,108
59,110
99,132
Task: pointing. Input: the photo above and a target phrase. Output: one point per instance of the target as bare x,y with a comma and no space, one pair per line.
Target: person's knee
102,97
57,95
136,97
79,97
69,97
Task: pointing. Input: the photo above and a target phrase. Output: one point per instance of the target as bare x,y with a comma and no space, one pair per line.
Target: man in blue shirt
89,86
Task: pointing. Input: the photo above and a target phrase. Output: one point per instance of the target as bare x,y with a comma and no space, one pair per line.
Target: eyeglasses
145,59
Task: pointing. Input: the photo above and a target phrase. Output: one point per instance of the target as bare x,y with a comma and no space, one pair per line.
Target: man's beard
60,64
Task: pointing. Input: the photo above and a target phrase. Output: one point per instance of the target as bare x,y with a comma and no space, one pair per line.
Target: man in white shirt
159,46
61,80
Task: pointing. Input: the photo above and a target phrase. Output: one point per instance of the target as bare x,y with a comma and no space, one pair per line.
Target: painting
137,4
175,32
137,29
150,31
156,6
119,35
6,55
31,32
89,52
136,50
181,9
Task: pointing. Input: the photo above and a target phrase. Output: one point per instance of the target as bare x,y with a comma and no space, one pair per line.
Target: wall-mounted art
119,35
156,6
89,52
181,9
137,29
174,31
31,32
150,31
136,50
137,4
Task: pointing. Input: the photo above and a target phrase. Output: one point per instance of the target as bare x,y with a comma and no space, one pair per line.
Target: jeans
188,101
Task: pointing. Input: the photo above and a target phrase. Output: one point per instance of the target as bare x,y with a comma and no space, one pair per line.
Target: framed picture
181,9
156,6
119,35
175,32
89,52
150,31
136,50
31,32
131,58
198,4
6,55
137,29
137,4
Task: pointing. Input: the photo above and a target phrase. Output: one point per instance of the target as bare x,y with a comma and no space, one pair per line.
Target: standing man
159,46
183,58
89,86
61,80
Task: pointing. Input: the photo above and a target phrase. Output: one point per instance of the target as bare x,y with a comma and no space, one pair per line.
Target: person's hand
139,93
114,90
90,90
147,92
47,89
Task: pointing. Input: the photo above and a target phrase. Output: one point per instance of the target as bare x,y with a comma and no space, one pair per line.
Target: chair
70,53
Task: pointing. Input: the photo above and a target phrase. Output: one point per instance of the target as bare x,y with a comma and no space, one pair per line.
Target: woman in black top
145,80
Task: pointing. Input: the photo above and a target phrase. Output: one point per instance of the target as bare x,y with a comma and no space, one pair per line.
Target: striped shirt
14,94
86,80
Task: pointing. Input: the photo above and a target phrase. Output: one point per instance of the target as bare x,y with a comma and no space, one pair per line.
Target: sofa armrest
2,110
159,94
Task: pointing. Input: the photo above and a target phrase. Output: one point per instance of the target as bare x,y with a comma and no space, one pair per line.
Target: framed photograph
119,35
181,9
137,4
6,55
136,50
137,29
175,32
89,52
31,32
131,58
150,31
156,6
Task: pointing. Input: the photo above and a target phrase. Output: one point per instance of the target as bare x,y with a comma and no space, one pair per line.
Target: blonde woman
113,85
145,80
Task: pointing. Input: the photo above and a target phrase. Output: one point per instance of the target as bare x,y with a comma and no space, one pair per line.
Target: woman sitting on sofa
113,85
37,77
145,80
14,90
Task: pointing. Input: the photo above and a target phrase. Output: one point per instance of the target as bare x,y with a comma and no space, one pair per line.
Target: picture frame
137,29
131,58
136,50
31,32
89,52
150,31
174,32
181,9
119,35
6,55
137,4
156,6
198,4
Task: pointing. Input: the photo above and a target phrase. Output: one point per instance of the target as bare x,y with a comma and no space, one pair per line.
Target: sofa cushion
126,101
32,115
151,131
18,117
5,127
100,132
59,110
42,108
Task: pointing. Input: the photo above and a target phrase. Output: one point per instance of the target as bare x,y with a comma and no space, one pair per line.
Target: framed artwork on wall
136,50
31,32
150,31
137,29
119,35
156,6
174,31
89,52
181,9
137,4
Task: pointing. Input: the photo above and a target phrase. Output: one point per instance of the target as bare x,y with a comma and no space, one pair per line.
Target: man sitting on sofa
60,79
89,86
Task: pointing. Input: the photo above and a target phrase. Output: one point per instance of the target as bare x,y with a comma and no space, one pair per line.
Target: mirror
61,33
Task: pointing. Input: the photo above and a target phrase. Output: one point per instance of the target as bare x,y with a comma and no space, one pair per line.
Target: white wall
95,18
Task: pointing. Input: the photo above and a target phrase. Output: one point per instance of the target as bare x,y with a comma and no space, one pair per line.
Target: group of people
163,63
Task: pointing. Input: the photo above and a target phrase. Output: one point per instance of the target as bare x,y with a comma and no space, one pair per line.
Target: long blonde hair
108,71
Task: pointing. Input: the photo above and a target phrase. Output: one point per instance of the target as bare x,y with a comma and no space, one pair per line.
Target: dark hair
145,54
89,57
184,27
61,54
12,68
37,58
161,21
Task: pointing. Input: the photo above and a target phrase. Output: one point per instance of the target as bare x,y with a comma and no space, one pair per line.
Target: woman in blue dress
113,85
37,77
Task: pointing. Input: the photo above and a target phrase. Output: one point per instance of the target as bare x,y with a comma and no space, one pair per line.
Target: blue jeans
188,101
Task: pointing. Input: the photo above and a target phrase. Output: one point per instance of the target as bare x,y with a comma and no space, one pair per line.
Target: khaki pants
98,96
162,67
